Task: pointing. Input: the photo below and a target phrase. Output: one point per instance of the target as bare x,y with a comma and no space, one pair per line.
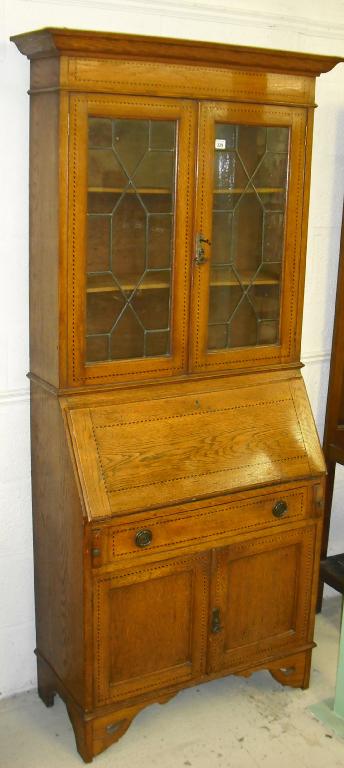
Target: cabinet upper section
169,196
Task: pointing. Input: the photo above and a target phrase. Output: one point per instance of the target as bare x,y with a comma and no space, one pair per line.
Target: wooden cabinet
176,471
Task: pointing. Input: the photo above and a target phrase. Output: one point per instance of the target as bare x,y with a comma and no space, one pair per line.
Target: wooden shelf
164,191
106,284
246,278
131,191
250,191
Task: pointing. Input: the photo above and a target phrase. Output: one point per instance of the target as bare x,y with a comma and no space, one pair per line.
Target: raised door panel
130,237
248,254
262,597
150,627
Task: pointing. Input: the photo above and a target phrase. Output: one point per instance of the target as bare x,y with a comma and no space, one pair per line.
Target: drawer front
200,526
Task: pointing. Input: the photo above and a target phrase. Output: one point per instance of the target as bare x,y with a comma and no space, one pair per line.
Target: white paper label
220,143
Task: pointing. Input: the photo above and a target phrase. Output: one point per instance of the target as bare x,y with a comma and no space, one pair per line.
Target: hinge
318,498
96,548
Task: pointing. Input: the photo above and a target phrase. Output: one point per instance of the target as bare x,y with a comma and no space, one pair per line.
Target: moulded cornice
55,41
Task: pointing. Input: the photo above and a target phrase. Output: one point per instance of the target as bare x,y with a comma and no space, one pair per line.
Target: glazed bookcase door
150,627
130,237
249,236
262,591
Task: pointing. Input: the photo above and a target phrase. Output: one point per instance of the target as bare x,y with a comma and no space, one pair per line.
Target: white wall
314,26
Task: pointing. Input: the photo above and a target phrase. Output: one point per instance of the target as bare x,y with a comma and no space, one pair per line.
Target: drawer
200,526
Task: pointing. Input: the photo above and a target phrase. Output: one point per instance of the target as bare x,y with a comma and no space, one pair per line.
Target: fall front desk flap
151,453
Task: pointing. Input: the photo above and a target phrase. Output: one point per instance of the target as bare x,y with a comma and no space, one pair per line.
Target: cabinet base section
293,670
96,731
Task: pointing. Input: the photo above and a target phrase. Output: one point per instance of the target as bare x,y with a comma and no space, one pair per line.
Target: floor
229,723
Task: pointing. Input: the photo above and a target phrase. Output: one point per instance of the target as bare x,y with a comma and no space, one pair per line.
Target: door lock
200,257
216,621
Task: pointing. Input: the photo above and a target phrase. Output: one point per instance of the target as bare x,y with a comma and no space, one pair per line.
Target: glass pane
100,133
248,225
131,140
104,171
97,347
130,227
159,240
128,241
98,243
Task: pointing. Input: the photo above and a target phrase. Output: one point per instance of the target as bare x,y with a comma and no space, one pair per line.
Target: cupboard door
131,218
248,243
262,593
150,627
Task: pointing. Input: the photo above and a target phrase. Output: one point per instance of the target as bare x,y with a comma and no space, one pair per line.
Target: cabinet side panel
45,73
58,545
44,236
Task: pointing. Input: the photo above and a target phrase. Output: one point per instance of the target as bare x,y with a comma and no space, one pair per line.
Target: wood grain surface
175,449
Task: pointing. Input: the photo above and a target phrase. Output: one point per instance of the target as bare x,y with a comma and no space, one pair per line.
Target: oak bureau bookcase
176,472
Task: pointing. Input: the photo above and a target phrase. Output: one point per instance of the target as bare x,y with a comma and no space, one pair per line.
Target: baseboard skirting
13,396
316,358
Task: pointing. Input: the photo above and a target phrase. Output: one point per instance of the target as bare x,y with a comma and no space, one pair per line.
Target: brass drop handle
143,538
280,509
200,257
